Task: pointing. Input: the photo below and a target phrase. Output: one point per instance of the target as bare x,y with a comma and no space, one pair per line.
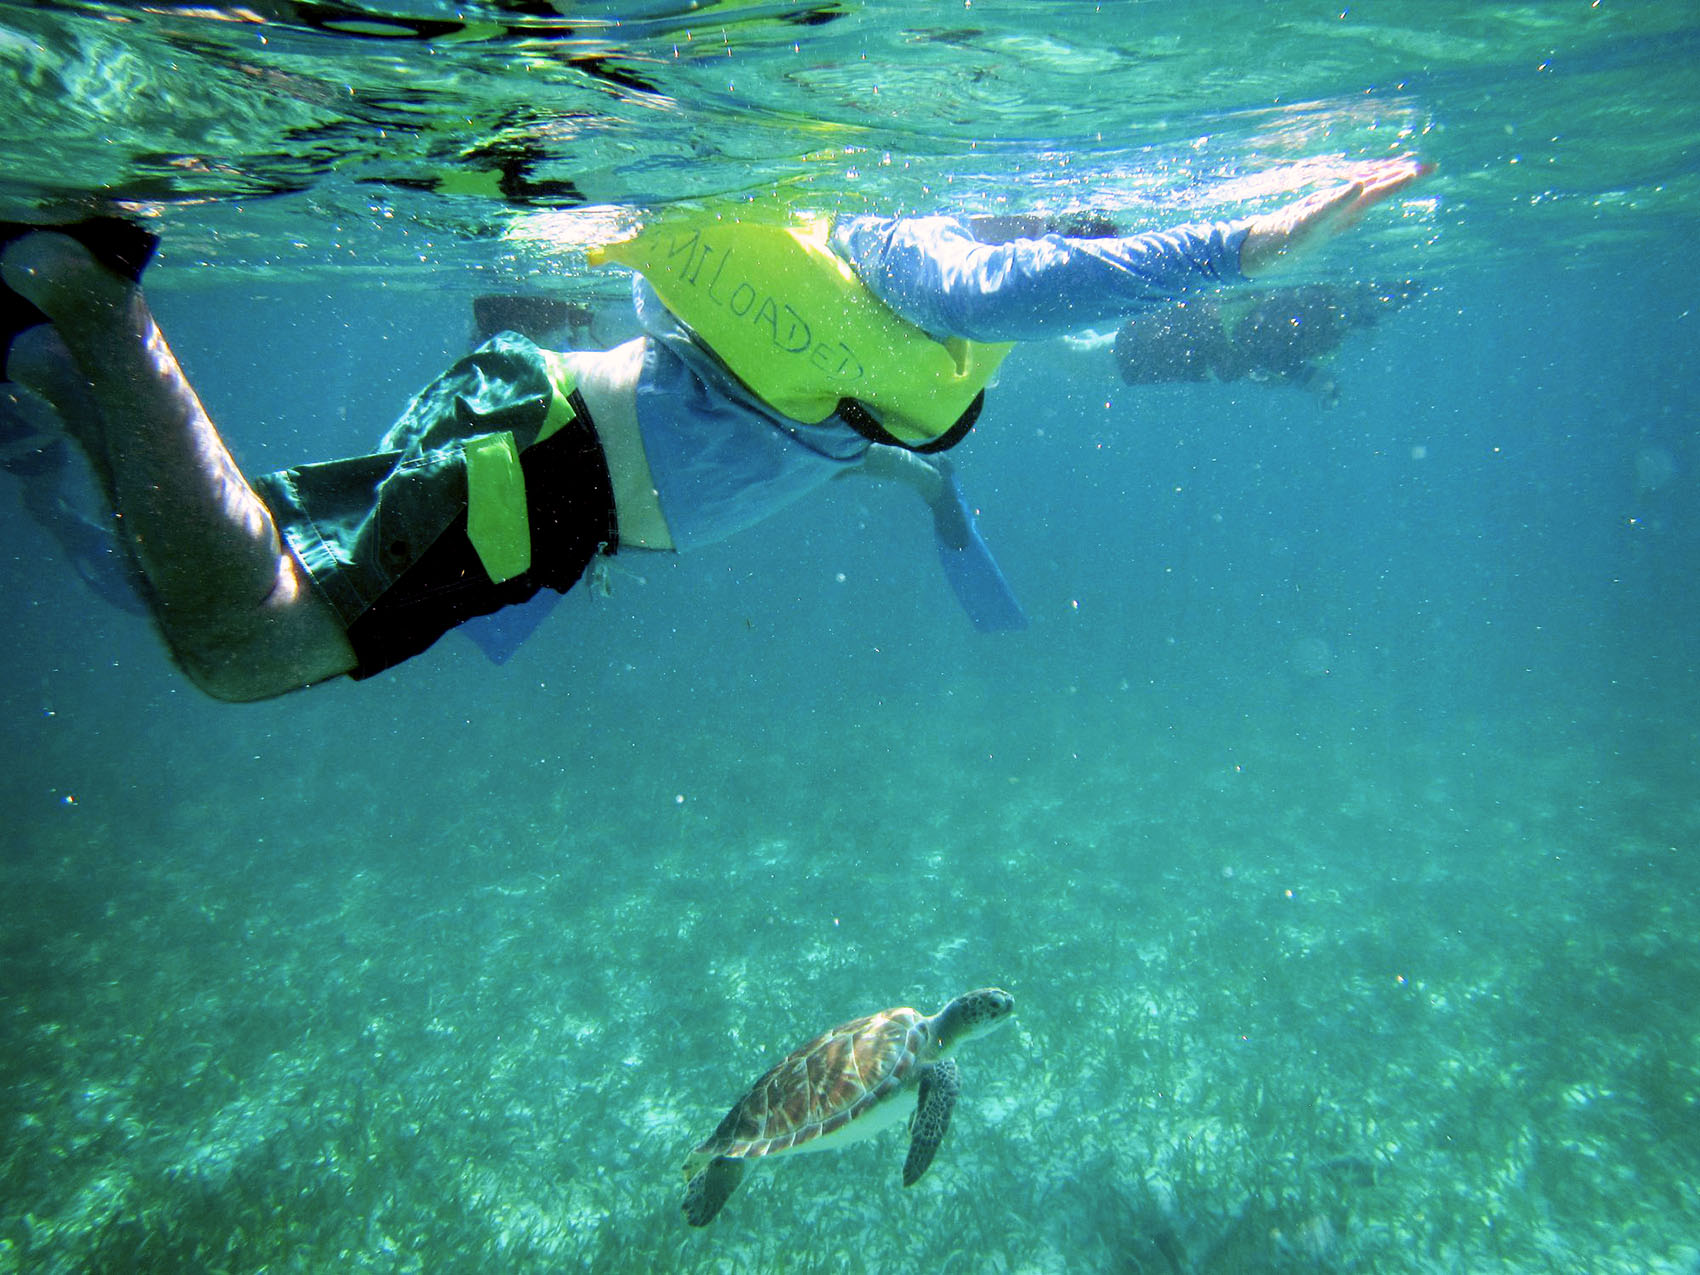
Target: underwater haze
1335,822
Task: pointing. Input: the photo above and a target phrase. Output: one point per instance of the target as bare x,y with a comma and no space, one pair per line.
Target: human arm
934,272
938,275
930,479
969,567
902,465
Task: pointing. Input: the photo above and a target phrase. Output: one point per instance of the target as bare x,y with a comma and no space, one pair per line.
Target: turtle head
969,1015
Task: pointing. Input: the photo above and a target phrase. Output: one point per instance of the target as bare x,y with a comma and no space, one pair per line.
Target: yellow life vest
792,321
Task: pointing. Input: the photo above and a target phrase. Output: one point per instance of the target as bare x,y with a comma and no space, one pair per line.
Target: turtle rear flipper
705,1193
940,1084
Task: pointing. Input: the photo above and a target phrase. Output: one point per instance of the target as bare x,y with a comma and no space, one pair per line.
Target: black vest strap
862,421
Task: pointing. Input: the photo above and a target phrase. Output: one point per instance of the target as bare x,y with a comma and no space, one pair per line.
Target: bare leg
234,605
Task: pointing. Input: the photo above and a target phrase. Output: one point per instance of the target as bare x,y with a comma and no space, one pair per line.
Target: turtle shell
822,1086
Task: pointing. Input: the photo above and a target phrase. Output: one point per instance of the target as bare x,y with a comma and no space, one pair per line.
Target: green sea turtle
842,1087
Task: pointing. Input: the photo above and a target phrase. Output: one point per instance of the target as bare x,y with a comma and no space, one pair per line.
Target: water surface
1334,822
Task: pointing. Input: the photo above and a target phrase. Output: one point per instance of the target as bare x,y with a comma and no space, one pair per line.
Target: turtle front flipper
939,1086
708,1190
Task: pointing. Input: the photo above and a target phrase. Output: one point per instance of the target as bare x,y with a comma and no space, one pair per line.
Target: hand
1277,237
882,461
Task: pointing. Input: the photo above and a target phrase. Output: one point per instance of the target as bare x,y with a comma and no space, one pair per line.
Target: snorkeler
773,359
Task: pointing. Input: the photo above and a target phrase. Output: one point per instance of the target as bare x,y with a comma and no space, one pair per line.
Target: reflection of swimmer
550,321
39,455
1284,335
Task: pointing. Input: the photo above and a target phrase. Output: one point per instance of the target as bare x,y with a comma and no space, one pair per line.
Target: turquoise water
1334,823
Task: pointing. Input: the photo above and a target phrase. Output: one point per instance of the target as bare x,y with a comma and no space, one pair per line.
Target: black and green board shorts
502,440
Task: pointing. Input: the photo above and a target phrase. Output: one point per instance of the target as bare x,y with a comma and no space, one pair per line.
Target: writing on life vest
712,271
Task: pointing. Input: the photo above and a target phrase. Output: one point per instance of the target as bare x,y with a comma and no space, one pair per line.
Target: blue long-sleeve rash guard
723,461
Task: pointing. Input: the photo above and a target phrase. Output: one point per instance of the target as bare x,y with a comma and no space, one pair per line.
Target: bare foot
102,341
60,276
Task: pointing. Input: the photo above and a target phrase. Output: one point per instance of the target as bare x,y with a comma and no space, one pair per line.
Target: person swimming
774,359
